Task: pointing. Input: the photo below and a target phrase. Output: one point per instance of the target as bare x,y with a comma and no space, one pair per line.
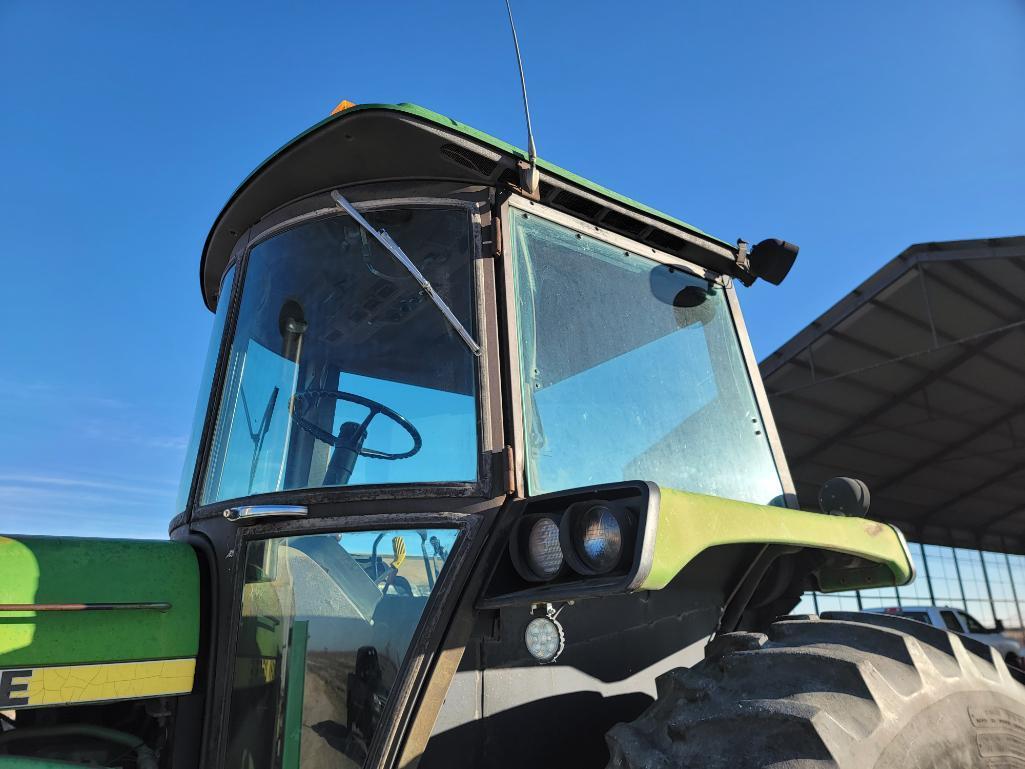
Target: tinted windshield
341,371
631,370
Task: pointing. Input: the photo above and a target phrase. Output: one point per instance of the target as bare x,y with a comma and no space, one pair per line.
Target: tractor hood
92,620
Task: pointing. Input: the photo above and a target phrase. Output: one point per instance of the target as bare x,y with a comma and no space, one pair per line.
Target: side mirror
671,286
844,496
998,626
772,259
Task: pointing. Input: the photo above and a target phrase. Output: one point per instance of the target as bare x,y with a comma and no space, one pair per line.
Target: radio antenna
529,180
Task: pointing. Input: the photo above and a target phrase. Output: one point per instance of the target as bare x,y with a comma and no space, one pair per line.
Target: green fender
689,524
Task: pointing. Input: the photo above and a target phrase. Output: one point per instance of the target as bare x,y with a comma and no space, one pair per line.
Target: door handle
249,512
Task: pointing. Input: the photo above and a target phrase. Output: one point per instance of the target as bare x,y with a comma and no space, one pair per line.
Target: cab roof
405,142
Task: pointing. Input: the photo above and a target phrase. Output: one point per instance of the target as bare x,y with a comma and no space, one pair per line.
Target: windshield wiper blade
261,432
395,250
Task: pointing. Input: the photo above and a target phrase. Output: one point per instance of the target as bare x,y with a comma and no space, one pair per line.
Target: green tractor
482,475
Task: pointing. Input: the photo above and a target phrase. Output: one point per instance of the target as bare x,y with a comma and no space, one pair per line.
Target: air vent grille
577,205
614,220
665,241
621,222
468,159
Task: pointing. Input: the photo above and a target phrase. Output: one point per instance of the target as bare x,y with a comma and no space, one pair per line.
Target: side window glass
951,621
205,384
253,455
326,622
674,347
974,626
917,616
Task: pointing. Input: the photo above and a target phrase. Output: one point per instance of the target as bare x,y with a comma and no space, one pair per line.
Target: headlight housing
536,548
544,552
606,538
596,536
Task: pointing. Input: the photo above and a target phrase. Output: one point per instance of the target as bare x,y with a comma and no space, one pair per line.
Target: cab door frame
433,623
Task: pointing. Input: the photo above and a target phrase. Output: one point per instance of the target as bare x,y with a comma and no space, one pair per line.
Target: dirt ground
326,743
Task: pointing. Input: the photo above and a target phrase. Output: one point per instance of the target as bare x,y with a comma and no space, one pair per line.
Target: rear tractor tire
844,691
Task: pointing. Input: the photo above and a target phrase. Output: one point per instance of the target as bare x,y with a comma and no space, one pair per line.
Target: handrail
151,605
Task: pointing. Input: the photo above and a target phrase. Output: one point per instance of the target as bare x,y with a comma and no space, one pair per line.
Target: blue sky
851,128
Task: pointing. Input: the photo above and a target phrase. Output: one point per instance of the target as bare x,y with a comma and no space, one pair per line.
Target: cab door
332,617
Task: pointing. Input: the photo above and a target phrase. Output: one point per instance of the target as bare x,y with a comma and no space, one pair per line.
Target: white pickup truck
961,622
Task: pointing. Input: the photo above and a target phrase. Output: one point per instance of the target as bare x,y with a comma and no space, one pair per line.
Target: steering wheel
348,444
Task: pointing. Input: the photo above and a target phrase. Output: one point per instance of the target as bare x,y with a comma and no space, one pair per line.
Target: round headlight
599,537
544,553
544,639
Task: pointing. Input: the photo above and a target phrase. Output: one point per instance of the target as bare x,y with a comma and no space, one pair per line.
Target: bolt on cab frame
472,465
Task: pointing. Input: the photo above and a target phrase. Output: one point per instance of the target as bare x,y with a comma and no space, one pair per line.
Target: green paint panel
472,133
66,570
691,523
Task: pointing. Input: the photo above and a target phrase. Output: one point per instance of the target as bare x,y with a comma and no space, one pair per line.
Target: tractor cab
481,451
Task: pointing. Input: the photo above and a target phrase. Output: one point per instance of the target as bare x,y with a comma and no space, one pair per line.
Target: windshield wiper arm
260,433
395,250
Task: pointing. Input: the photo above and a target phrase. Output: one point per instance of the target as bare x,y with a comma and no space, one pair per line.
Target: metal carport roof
915,383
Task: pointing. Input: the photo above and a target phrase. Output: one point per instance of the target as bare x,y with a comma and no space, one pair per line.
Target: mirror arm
744,263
